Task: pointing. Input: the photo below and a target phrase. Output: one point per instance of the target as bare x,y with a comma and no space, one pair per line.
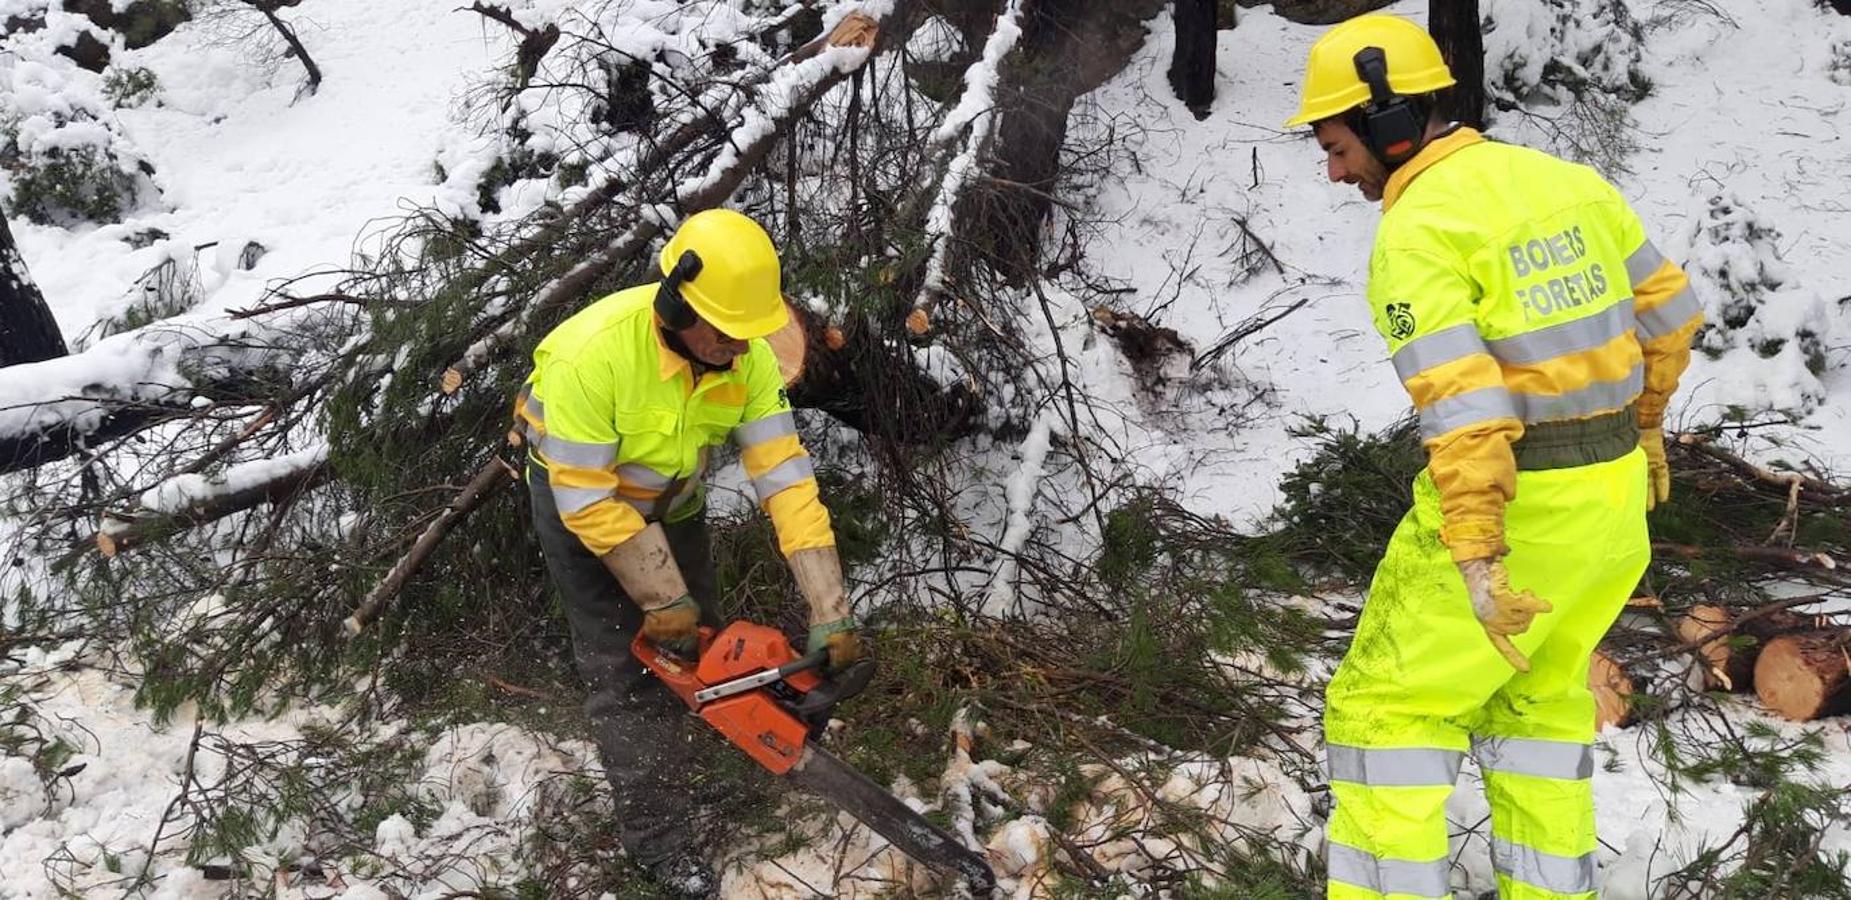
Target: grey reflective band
1389,876
575,453
536,410
573,499
1470,408
1584,333
1394,767
1441,347
1561,874
762,430
1601,396
1670,315
643,477
1643,262
1528,756
781,476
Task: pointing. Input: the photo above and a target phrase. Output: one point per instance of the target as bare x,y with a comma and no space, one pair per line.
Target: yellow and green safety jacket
624,431
1516,289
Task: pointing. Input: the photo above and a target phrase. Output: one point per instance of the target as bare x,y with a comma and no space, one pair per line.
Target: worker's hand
675,628
843,638
1657,470
1502,611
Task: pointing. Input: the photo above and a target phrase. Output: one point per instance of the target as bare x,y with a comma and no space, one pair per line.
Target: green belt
1577,442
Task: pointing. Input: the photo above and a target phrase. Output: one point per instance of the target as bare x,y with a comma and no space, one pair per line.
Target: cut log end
1613,690
1724,666
834,339
1806,676
918,322
106,545
452,380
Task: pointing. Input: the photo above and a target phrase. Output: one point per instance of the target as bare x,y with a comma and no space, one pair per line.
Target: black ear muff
1390,125
670,305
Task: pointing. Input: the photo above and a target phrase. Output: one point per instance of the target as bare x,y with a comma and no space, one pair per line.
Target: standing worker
1540,335
625,399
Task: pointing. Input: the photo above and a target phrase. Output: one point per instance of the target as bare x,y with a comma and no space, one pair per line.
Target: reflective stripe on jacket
624,431
1515,288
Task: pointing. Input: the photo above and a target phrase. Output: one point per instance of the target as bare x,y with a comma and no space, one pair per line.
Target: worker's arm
1424,305
780,469
1666,313
785,481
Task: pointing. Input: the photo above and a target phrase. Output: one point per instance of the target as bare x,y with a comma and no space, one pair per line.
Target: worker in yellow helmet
625,401
1540,334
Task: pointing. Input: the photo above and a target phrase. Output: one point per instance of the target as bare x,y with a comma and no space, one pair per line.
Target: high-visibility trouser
1421,683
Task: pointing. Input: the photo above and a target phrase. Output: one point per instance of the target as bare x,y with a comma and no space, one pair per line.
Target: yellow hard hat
1332,85
736,288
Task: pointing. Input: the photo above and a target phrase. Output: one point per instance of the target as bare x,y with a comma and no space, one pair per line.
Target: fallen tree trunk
125,532
1806,676
1729,644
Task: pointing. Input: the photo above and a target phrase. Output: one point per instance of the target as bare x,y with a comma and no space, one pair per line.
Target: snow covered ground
1751,108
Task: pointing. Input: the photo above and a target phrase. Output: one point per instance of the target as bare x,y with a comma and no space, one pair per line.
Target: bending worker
1540,334
625,400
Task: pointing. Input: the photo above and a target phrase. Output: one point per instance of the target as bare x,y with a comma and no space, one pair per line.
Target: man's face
1347,160
710,346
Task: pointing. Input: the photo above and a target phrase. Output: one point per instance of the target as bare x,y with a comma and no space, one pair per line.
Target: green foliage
130,87
1776,852
1343,503
73,182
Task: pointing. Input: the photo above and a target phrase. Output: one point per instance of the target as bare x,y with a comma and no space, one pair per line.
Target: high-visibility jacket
624,431
1515,288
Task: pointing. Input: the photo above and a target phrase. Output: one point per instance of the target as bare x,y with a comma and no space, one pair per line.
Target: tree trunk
1843,6
28,332
1192,66
1456,28
1067,48
1806,676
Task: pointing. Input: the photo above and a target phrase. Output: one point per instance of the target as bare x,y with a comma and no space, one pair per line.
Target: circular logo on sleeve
1400,321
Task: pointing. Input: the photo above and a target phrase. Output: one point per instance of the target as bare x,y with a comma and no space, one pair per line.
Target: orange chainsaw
751,685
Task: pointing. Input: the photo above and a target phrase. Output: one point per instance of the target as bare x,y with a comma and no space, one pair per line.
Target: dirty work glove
1502,611
1657,471
675,628
843,638
818,571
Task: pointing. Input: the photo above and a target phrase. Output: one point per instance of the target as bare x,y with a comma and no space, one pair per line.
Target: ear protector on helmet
1390,125
670,305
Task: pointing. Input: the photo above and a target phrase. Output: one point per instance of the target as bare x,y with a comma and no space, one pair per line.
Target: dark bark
1192,66
147,528
269,8
1843,6
28,332
1456,27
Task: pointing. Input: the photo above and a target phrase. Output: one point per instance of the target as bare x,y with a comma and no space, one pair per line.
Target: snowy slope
239,157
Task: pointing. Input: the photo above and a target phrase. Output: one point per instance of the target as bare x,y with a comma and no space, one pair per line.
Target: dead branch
493,475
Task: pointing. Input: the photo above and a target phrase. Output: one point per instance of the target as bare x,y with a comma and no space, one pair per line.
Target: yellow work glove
1502,611
1657,471
675,628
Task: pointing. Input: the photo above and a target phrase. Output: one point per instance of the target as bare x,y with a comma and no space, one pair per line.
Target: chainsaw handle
815,659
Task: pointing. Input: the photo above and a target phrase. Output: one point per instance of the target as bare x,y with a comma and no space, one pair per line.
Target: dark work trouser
641,729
